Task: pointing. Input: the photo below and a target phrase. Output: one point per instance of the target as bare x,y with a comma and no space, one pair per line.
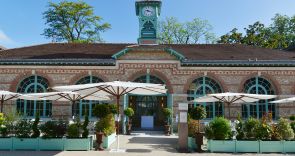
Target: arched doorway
148,107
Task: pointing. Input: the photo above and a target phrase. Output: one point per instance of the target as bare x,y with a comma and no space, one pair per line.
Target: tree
73,22
278,35
174,32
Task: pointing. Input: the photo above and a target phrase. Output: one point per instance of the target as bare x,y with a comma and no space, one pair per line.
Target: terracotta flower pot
199,141
167,130
99,136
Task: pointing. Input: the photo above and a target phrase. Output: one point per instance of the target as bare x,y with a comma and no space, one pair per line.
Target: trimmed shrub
292,124
53,129
198,113
285,131
36,131
192,128
23,129
250,126
263,131
106,125
129,112
292,117
218,129
3,127
84,127
240,128
102,110
73,131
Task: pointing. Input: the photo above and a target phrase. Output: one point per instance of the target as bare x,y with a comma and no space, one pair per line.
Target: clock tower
148,12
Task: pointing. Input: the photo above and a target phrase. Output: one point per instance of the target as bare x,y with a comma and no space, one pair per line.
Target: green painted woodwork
191,143
109,140
148,25
258,85
246,146
202,86
170,51
53,144
29,108
84,107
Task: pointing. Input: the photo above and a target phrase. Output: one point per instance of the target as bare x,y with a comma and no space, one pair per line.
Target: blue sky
21,21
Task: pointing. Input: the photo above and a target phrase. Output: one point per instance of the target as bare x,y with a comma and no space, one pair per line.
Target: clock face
148,11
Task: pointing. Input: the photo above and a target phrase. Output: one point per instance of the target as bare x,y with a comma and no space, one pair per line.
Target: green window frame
29,108
84,107
259,85
202,86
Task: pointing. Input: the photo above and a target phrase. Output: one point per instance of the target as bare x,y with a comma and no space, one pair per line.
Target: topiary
23,129
129,112
84,127
218,129
112,108
167,112
284,129
239,128
3,127
73,131
36,131
102,110
249,128
263,131
192,128
198,113
106,125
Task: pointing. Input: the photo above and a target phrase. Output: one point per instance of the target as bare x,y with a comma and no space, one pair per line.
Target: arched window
85,106
201,87
34,84
258,85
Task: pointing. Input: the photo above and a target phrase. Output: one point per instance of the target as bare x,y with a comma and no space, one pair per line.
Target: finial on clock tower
148,12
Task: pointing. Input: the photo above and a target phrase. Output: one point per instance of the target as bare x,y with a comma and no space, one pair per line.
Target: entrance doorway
148,112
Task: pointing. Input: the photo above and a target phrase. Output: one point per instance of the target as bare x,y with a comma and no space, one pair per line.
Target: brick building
189,71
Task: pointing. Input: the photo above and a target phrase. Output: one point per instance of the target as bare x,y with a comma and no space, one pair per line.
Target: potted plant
167,112
53,132
192,132
5,142
23,134
198,113
218,131
129,113
106,123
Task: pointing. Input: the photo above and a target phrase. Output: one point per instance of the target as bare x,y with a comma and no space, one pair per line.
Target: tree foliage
196,31
73,22
278,35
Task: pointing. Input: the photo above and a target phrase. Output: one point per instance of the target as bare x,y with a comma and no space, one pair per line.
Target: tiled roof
106,50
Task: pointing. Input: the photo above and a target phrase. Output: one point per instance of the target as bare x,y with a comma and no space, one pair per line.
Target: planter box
51,144
25,144
289,146
272,146
222,146
192,146
247,146
107,141
6,143
78,144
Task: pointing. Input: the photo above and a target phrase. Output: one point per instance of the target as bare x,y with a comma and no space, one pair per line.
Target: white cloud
4,39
